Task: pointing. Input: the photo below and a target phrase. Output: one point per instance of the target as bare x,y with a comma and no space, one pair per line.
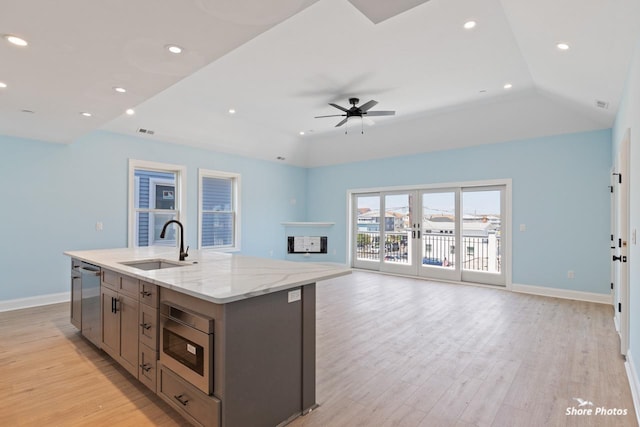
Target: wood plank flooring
392,351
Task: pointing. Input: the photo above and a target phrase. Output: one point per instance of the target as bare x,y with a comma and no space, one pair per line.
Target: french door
448,233
385,231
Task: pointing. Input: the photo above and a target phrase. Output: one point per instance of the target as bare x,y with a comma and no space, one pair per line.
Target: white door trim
507,182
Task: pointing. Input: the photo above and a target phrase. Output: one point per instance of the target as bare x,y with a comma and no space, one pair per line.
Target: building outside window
156,195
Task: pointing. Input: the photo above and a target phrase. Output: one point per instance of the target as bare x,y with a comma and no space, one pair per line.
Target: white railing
478,253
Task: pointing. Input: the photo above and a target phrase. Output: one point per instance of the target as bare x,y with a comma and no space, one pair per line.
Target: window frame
180,186
235,208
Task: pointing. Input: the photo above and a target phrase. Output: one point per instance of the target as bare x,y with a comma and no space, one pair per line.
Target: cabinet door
128,311
110,323
76,302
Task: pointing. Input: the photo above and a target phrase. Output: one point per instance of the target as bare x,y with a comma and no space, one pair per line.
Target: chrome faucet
183,253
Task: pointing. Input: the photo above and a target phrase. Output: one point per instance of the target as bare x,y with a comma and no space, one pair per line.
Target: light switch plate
295,295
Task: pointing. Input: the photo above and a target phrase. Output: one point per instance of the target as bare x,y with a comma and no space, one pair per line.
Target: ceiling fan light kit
362,111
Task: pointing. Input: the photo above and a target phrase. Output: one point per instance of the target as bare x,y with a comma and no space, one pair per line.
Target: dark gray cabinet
148,330
119,300
76,296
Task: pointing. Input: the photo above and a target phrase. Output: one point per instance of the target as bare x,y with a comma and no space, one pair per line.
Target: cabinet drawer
148,361
149,294
191,403
110,279
149,326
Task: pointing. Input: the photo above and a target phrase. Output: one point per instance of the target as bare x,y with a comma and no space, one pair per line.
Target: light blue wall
559,192
58,192
54,194
629,118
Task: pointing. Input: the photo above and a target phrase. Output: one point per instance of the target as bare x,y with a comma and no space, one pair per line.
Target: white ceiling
279,63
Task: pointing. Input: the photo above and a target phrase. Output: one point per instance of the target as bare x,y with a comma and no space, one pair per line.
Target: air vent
602,104
146,131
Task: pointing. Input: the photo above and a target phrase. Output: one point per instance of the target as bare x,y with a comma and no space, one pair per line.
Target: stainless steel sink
153,264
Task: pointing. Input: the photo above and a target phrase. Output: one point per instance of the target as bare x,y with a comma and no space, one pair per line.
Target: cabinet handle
115,305
181,399
146,367
145,325
145,293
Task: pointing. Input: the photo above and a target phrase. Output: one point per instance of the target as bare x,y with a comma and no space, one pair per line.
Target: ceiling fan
355,111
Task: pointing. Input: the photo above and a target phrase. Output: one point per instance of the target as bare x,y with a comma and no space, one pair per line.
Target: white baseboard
632,376
16,304
563,293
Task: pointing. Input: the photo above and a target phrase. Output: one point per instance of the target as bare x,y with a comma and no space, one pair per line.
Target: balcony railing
478,253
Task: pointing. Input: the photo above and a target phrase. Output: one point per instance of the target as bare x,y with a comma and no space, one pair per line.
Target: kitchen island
251,362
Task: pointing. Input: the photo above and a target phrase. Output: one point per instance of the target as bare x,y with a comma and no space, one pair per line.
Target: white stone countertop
214,276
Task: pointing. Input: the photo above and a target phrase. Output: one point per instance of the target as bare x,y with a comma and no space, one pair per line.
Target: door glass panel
439,230
397,228
368,228
481,237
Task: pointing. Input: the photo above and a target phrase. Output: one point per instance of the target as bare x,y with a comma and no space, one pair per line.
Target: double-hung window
219,210
156,195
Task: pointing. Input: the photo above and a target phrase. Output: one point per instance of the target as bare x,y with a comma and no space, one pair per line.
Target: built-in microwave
186,345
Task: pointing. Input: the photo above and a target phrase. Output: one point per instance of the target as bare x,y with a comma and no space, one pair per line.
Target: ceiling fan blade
367,105
380,113
331,115
367,121
338,107
341,123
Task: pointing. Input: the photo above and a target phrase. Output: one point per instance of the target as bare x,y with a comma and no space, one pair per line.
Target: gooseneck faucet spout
183,253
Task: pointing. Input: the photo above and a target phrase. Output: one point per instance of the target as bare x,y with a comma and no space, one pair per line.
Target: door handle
413,234
621,258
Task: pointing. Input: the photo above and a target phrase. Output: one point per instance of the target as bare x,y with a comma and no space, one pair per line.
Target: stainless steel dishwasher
90,288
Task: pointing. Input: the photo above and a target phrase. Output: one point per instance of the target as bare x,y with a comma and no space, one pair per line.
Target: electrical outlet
571,274
295,295
99,226
523,227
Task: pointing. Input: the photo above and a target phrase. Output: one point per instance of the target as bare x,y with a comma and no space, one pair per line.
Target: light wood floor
391,351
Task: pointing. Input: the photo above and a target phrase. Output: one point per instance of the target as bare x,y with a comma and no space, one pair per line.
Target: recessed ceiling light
469,25
3,85
15,40
508,86
232,111
119,89
562,46
301,132
86,114
174,48
130,112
